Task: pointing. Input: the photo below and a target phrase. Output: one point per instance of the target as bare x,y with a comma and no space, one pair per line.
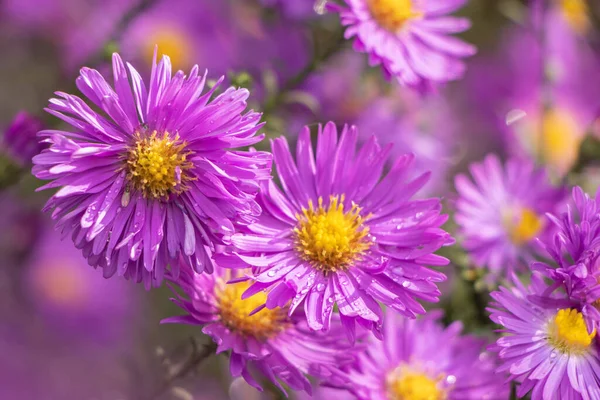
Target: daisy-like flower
409,38
151,175
280,347
546,347
340,233
408,365
576,253
503,210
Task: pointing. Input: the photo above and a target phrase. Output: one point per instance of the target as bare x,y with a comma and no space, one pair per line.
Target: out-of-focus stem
119,30
196,358
293,83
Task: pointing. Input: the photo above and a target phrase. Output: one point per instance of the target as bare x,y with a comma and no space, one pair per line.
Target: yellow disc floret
330,238
568,333
527,227
393,14
561,138
235,312
576,12
157,165
404,384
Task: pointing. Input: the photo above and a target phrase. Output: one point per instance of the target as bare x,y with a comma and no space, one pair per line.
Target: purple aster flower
546,345
408,364
409,38
20,138
502,211
280,347
340,233
154,175
575,249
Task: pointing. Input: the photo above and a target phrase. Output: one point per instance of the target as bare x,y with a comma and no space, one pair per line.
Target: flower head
502,212
20,138
153,175
575,250
409,38
341,234
421,360
280,347
546,345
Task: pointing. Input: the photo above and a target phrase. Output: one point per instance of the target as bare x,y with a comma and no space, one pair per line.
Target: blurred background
67,333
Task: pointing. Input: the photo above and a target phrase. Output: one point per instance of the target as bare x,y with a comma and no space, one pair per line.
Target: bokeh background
66,333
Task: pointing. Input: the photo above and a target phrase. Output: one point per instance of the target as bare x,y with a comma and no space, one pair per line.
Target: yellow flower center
568,333
393,14
170,42
157,165
576,12
527,227
330,238
561,138
235,312
403,384
63,285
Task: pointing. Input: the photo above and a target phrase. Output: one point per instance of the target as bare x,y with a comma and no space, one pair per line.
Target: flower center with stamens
403,384
157,165
393,14
576,12
568,333
525,228
330,238
235,312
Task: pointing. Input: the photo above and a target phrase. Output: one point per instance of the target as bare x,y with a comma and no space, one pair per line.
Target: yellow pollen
568,333
561,138
576,13
403,384
393,14
330,238
170,42
235,312
525,228
157,165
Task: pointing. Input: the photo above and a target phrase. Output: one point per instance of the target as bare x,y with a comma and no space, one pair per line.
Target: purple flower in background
422,360
575,249
409,38
20,138
280,347
502,211
294,9
423,126
546,345
341,233
156,179
540,116
71,297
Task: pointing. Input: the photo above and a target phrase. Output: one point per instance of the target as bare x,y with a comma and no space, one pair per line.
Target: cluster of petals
149,175
369,240
410,39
